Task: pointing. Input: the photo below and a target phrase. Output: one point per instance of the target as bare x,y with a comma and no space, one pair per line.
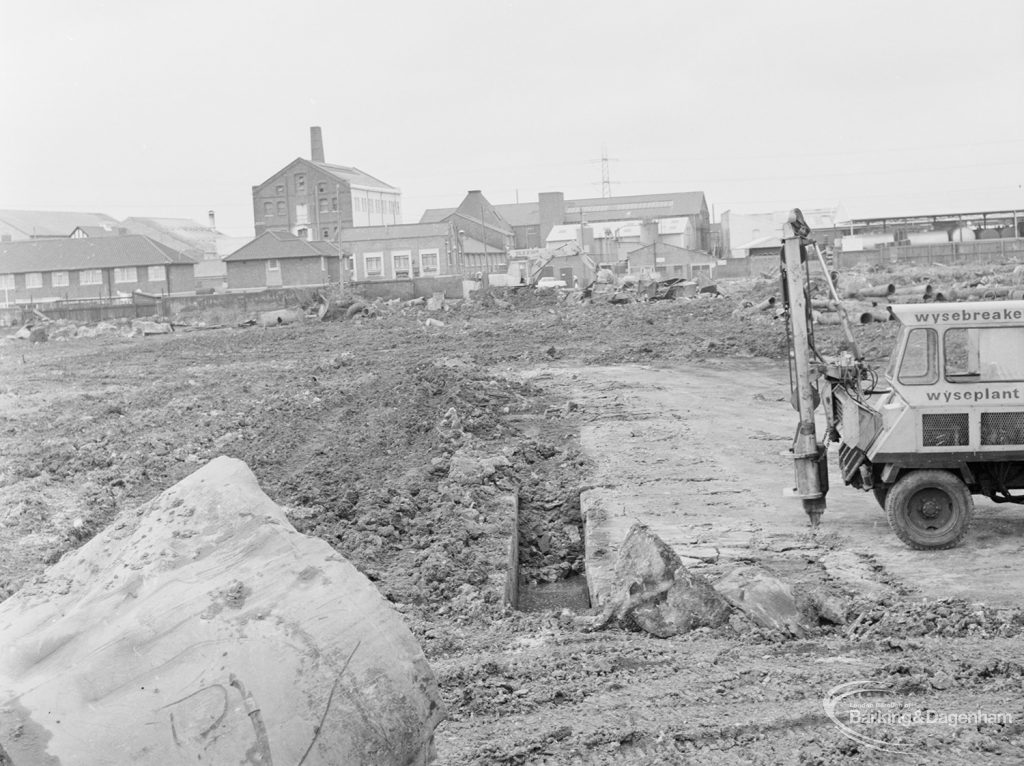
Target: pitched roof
353,176
87,253
475,207
276,244
52,223
100,231
396,231
595,208
666,249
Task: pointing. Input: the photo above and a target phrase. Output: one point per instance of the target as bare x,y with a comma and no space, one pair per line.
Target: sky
172,109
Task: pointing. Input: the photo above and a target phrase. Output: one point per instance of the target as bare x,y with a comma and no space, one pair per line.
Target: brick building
44,270
406,251
313,199
683,219
281,259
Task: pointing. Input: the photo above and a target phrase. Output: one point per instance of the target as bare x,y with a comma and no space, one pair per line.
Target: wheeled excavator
944,420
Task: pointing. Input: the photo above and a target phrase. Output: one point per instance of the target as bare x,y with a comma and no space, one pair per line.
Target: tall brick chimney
551,213
316,145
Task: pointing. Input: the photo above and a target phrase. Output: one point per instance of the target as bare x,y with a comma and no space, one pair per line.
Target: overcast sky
145,108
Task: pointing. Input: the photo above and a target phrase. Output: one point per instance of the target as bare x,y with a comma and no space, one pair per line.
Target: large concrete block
202,627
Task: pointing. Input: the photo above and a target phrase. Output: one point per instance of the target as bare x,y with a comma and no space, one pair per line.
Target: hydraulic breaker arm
809,457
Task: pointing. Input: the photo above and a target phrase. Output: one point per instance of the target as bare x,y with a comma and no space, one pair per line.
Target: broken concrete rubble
203,626
766,600
147,327
656,593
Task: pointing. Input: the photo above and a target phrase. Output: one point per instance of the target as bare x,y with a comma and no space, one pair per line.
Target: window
90,277
324,234
125,275
302,233
321,188
428,261
59,279
6,281
268,209
300,183
323,263
373,264
920,363
983,354
280,189
323,204
156,274
281,210
334,203
401,263
273,265
33,280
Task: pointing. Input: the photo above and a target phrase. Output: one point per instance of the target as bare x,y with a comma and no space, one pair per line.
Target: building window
428,261
323,204
125,275
59,279
6,281
90,277
321,188
300,183
398,207
373,264
281,209
155,274
401,264
280,189
273,265
268,209
323,263
324,234
334,203
302,233
33,280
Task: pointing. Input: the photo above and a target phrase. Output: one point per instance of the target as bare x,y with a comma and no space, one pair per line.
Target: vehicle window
983,354
920,362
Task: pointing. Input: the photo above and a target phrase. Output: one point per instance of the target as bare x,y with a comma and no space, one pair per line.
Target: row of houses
319,223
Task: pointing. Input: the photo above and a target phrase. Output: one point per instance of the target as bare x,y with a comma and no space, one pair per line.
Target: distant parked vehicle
544,282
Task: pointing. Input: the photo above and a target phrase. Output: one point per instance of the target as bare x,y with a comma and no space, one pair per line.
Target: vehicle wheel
929,510
881,492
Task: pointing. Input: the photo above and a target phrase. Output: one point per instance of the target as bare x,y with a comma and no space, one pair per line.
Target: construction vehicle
943,422
569,249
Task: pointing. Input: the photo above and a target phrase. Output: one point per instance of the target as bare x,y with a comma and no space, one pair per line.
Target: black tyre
929,510
881,492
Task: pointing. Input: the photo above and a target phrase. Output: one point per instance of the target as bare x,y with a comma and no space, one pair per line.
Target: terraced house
47,270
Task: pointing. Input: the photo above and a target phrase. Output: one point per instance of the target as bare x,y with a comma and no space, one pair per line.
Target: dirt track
400,445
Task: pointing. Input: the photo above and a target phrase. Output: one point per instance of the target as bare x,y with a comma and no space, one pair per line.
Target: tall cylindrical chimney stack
316,145
213,220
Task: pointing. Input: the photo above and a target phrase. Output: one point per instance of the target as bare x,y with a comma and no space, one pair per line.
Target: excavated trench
546,558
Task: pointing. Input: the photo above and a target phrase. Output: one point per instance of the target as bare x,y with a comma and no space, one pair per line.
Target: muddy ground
401,444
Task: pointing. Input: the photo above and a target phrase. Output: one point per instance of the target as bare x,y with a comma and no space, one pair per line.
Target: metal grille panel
1002,428
946,429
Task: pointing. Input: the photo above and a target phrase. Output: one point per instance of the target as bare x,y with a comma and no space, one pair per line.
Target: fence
169,307
947,254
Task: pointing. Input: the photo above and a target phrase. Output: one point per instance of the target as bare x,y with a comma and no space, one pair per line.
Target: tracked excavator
944,420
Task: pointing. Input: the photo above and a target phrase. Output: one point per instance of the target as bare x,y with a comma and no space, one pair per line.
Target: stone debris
146,327
202,625
280,317
766,600
656,593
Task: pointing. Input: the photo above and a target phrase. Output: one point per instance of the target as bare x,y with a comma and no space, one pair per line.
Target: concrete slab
694,452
